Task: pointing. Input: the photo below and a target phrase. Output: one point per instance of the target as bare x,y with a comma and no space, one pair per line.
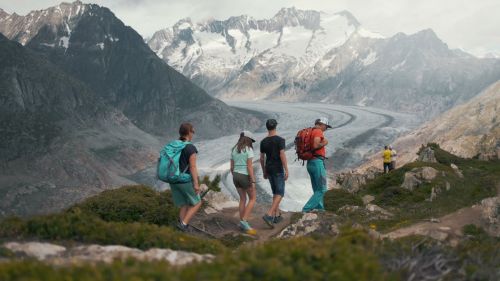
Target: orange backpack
303,144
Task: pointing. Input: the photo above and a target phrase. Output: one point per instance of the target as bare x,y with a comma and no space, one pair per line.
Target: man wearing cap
275,169
316,166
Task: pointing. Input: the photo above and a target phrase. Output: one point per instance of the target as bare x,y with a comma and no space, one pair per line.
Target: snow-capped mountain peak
60,19
215,52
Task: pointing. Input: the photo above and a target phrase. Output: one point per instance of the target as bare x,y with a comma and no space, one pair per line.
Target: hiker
316,166
186,195
394,154
386,155
244,178
275,169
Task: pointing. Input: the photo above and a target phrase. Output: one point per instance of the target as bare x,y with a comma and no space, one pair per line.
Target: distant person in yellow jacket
387,155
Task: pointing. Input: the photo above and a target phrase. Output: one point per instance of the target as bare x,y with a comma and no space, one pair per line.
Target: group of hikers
177,166
389,155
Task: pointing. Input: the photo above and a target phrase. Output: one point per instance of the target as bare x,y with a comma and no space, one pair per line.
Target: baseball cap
324,121
271,124
247,134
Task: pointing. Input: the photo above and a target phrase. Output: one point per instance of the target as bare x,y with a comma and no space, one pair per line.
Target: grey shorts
241,180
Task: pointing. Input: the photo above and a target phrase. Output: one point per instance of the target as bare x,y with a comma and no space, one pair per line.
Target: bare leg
182,212
243,202
274,206
190,212
252,197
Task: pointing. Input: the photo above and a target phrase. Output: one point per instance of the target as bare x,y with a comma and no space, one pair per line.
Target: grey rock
56,254
351,182
367,199
427,155
375,208
417,176
457,170
305,225
40,251
410,181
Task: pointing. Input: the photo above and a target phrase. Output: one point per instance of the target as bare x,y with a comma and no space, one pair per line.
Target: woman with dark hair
186,195
244,178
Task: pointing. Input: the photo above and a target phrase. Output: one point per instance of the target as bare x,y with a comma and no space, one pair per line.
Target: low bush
132,204
348,257
337,198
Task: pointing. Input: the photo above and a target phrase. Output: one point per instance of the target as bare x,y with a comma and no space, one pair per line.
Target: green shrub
132,204
76,225
336,198
349,257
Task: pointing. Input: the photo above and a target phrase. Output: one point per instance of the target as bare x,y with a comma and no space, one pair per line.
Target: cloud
468,24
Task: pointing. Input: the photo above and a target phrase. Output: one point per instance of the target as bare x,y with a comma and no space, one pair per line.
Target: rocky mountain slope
91,44
317,56
85,104
468,130
60,142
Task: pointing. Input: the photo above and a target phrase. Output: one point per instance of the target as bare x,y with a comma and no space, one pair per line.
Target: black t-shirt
184,159
272,146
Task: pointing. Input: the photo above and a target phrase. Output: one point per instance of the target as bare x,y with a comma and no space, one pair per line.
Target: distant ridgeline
84,102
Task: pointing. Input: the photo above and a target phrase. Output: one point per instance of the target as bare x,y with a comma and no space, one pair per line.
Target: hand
286,175
324,142
197,189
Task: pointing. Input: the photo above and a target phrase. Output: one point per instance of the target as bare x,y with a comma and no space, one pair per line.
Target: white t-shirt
240,159
393,154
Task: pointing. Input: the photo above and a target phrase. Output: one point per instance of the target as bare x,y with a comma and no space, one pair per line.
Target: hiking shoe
277,219
268,220
245,227
182,227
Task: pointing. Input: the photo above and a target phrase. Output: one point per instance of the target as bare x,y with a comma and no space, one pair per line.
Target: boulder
56,254
40,251
305,225
411,181
457,170
417,176
427,155
374,208
351,182
368,199
490,210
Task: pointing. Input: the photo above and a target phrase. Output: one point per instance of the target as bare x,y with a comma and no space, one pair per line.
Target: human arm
232,166
194,172
251,174
262,164
284,162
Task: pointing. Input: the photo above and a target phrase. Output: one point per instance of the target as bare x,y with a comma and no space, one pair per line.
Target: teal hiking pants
317,172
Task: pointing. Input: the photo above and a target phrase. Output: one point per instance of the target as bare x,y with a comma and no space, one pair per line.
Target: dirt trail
225,222
449,225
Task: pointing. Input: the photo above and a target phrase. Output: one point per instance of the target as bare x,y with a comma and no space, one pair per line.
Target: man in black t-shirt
275,169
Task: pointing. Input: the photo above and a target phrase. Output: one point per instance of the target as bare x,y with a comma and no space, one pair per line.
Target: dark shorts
241,180
387,167
183,194
277,182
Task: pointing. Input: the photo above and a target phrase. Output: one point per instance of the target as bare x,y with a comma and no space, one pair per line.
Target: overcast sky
472,25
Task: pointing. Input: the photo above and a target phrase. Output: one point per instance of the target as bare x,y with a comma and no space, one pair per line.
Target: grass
337,198
134,216
480,181
348,257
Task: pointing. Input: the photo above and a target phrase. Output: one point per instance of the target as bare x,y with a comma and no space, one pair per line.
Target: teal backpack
167,169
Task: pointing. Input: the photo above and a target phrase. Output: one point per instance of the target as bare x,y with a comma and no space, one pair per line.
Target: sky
471,25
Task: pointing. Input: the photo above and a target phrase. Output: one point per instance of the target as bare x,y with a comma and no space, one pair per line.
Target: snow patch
64,42
369,34
184,25
52,45
399,65
369,59
100,45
